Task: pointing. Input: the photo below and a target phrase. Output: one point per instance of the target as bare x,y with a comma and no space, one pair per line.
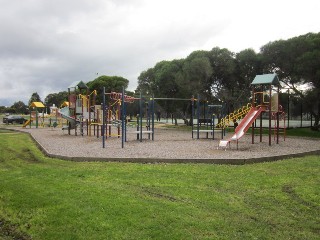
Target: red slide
243,126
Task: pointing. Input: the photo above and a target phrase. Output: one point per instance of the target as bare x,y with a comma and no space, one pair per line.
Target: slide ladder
236,115
243,126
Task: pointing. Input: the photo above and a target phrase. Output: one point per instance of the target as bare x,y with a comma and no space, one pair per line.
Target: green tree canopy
55,98
248,65
296,61
197,72
111,84
223,79
162,81
3,109
34,98
208,73
20,107
226,76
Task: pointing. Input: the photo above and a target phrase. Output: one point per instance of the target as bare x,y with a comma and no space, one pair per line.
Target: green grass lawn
43,198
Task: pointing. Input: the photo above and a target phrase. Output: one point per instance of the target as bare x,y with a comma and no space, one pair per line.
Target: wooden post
278,90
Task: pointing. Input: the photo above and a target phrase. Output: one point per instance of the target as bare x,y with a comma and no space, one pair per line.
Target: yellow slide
26,123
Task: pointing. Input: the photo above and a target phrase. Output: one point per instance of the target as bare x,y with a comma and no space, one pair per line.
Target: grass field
43,198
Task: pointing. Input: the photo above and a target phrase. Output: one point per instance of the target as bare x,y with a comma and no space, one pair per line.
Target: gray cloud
46,45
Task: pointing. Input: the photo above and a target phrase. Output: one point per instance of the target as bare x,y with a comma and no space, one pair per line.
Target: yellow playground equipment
236,115
34,115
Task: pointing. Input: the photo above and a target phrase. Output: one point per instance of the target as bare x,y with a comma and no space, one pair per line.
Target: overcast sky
45,45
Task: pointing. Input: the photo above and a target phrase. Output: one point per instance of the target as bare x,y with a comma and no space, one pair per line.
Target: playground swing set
208,118
115,105
120,117
146,107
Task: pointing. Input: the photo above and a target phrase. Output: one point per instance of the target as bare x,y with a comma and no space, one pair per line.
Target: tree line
220,75
111,83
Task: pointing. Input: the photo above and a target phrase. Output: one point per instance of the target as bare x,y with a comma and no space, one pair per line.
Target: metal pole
253,105
31,119
192,113
198,116
125,125
260,127
152,110
37,117
301,115
288,107
278,120
122,118
141,112
212,126
103,119
148,117
138,124
270,114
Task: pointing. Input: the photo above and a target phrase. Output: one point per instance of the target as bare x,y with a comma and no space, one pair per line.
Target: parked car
14,119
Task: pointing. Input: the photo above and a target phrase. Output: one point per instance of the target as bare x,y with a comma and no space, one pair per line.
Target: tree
111,84
223,81
208,73
296,61
165,83
248,65
55,99
20,107
146,82
197,73
166,80
227,76
3,109
10,110
34,98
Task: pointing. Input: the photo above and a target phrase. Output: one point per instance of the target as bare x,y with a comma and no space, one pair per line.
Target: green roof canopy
79,84
271,78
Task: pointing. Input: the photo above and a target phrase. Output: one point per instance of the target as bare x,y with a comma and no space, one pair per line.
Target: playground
169,145
102,132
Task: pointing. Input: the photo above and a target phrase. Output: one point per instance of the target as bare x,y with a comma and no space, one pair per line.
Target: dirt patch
9,230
